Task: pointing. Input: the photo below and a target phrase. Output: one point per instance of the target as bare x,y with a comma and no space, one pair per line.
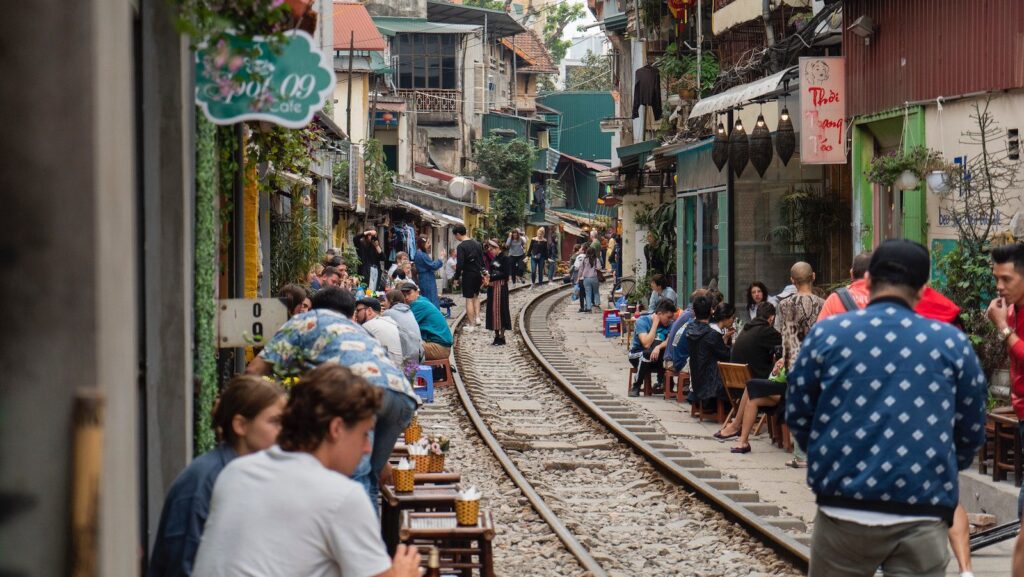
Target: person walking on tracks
890,406
469,271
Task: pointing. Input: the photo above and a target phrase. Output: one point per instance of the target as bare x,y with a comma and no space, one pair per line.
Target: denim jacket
185,511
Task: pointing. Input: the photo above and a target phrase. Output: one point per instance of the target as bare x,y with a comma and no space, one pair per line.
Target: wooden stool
1006,453
447,380
697,411
422,498
987,448
682,385
648,388
454,542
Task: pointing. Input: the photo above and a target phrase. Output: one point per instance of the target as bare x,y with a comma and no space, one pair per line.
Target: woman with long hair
757,294
591,287
425,268
516,247
538,254
499,319
246,419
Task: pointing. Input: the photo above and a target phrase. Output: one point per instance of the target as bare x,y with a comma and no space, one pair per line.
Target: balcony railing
432,99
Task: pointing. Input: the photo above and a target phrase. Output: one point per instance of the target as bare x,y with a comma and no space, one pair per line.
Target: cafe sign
823,109
241,79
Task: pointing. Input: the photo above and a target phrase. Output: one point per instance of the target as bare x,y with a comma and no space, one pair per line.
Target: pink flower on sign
276,3
235,63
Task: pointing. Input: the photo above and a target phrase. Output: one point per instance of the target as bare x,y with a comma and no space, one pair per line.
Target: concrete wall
360,104
68,274
944,133
402,8
632,250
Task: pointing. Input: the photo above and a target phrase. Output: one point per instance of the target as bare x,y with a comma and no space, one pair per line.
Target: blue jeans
593,292
551,269
536,269
394,416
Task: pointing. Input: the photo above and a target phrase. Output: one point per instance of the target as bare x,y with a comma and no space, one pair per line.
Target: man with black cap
890,406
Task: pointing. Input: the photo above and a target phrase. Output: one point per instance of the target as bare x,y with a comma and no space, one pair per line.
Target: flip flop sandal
723,438
795,464
740,450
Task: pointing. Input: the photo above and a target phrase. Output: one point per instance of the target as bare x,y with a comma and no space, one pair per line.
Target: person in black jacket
538,254
756,348
469,267
499,319
370,251
707,347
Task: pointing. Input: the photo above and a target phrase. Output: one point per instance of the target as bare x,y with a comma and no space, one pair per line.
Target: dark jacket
538,249
754,347
184,515
654,263
647,91
707,348
469,259
890,406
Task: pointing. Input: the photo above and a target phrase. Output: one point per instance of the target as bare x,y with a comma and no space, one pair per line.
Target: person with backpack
851,297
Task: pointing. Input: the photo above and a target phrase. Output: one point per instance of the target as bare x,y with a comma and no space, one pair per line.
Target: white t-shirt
386,332
277,513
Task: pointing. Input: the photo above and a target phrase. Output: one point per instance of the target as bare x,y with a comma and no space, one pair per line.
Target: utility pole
487,64
348,104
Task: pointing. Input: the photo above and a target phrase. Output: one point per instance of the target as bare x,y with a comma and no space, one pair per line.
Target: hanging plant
294,245
888,168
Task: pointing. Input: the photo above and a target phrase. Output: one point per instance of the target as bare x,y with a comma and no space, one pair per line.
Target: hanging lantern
760,146
720,147
785,138
739,148
387,117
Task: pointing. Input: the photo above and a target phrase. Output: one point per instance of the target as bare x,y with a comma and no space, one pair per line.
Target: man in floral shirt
327,334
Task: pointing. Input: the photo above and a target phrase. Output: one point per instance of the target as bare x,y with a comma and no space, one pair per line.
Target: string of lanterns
737,148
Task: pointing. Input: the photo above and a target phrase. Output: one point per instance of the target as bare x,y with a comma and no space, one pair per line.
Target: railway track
617,496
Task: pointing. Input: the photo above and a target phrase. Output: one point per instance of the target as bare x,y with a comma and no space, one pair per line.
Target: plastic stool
612,326
425,375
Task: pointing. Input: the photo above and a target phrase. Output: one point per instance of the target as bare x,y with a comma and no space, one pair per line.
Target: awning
447,176
584,218
415,190
617,23
742,94
499,23
571,229
635,154
434,218
585,163
389,26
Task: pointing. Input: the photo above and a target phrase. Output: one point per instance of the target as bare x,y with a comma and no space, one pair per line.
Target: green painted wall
723,246
683,275
580,133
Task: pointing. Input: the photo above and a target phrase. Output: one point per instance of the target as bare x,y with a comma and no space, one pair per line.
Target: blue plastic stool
425,374
612,326
446,305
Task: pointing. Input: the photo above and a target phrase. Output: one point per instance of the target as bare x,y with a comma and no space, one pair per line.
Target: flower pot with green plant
904,169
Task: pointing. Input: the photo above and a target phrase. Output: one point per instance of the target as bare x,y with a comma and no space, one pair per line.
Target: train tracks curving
619,498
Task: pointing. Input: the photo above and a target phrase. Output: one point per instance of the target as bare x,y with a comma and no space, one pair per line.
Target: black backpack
847,299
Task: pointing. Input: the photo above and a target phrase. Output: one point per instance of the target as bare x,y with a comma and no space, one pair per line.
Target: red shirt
1016,365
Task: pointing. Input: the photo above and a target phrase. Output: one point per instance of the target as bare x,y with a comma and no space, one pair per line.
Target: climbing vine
206,229
379,178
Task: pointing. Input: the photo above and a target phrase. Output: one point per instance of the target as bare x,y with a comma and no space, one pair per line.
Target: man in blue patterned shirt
890,407
327,334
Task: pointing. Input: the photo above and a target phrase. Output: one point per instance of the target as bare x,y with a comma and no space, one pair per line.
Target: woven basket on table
467,513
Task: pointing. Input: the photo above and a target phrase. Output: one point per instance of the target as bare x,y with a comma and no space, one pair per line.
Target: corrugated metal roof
579,133
585,163
499,23
530,48
390,25
355,30
923,49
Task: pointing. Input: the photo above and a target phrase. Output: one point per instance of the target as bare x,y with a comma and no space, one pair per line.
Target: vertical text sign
823,106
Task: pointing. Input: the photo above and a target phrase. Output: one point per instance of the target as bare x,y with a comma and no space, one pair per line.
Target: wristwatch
1005,333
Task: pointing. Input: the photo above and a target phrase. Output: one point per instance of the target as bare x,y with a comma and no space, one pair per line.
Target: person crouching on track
499,319
650,334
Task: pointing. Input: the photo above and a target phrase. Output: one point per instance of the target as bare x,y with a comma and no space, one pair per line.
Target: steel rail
777,539
536,501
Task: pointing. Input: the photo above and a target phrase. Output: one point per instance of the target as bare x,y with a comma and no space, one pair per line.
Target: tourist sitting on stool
755,348
707,347
437,336
408,328
678,352
292,509
660,291
649,334
383,329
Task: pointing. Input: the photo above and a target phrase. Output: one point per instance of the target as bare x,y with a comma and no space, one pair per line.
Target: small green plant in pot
905,168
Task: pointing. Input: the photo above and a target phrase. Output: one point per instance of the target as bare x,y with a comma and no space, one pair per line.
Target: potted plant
903,169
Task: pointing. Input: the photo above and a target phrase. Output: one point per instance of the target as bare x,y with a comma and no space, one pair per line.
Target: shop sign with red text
823,106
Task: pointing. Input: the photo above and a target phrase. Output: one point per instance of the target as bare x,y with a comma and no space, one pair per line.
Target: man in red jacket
1003,311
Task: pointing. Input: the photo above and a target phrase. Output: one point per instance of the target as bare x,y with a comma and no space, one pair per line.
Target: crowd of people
882,391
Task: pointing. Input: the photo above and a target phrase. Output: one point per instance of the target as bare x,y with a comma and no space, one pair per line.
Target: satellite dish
460,187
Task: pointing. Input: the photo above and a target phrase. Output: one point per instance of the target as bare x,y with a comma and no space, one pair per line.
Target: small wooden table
422,498
628,323
453,541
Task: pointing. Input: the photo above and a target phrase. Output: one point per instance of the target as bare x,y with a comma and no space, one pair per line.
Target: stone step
763,509
787,524
742,496
724,484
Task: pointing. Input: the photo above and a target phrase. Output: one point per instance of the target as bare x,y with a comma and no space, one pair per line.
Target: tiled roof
531,48
353,18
